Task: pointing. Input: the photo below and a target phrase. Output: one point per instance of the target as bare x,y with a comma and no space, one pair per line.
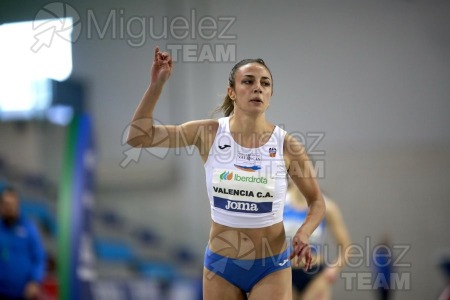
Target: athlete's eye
246,81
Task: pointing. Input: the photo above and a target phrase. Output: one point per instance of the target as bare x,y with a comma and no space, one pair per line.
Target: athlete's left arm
302,172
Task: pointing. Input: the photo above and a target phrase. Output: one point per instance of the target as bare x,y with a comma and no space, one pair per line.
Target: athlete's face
252,89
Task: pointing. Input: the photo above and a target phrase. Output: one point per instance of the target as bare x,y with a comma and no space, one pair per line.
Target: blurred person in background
444,264
316,283
49,286
22,256
383,268
247,160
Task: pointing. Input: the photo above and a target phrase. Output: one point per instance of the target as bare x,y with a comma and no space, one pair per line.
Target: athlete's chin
256,110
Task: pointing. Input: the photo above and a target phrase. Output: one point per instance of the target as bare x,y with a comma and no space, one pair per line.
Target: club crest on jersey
272,151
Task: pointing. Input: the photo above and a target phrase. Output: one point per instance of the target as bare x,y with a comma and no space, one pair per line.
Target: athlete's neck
247,125
250,132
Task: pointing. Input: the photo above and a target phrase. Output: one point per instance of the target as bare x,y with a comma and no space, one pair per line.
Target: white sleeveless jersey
246,186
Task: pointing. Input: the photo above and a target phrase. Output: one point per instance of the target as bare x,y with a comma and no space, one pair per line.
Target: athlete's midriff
247,243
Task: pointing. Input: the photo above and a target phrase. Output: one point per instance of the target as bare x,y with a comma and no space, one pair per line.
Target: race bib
241,191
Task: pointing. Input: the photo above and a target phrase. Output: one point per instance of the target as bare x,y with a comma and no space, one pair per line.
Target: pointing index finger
156,53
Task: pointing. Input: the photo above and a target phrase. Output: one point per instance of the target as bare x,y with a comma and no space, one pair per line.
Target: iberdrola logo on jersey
226,176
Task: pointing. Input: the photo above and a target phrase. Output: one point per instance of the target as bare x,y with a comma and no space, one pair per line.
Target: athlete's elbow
136,141
140,135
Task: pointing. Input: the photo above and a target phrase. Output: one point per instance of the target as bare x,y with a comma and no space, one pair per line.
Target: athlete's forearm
314,217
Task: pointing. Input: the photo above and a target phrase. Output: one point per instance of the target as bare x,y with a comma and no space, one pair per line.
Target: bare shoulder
211,126
203,122
201,127
293,145
212,123
202,133
293,149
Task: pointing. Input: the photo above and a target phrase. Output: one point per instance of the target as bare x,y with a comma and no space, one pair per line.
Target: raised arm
303,174
144,133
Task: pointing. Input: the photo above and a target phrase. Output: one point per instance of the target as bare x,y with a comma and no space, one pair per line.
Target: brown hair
227,106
